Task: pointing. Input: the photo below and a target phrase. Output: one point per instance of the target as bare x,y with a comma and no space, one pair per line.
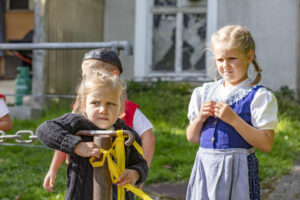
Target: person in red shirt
5,121
107,60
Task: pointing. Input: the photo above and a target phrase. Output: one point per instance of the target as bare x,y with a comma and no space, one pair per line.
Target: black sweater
60,134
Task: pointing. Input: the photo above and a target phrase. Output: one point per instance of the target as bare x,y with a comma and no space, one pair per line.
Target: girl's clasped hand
219,110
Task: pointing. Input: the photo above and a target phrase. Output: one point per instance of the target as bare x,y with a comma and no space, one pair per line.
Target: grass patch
23,169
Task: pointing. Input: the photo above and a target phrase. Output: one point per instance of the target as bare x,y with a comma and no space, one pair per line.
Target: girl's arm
260,139
137,169
5,123
193,131
49,180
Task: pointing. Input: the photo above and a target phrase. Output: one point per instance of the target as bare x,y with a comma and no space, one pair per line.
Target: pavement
167,191
286,187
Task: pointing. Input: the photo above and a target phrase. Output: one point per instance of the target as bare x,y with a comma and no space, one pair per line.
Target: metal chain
18,137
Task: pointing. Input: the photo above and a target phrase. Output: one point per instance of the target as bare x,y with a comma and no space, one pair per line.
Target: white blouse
3,108
263,106
140,122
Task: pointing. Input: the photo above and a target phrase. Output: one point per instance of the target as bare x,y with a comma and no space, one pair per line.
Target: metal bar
115,45
128,142
44,95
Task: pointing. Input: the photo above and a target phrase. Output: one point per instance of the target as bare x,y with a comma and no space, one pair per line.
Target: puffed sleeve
264,110
195,103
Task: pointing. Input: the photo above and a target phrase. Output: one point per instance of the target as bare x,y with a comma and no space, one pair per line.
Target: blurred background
169,38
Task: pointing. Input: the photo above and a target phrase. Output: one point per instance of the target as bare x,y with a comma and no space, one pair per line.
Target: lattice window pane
165,3
164,30
194,29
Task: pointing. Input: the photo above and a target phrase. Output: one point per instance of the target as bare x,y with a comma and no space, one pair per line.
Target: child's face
103,107
232,64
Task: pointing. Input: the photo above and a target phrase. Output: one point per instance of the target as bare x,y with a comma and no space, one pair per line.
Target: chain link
18,137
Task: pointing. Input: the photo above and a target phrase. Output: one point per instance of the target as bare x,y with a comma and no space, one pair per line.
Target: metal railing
115,45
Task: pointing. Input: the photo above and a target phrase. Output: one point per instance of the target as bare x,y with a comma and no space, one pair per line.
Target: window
170,39
12,5
17,4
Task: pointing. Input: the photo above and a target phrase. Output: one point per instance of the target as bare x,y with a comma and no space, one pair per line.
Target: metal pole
102,181
115,45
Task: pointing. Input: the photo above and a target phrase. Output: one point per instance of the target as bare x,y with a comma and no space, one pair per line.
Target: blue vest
225,136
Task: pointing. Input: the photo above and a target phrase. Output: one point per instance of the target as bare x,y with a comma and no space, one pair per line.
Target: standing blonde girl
100,100
230,117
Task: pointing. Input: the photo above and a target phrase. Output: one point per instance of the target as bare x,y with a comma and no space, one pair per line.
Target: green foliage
288,106
162,102
23,169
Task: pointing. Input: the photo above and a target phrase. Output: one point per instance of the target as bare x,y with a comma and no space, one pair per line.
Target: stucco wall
58,71
274,25
119,26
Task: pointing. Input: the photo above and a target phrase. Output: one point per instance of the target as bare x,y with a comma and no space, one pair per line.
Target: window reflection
194,29
165,2
164,26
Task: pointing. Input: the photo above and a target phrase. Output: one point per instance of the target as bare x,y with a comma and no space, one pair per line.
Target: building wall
274,25
64,21
119,26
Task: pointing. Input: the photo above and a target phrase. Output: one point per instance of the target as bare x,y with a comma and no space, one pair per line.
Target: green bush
23,169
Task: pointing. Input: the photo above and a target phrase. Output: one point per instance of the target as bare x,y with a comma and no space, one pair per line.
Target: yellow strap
138,148
117,150
137,192
120,151
100,162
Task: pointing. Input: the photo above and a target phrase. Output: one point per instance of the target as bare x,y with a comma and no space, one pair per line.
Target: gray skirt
219,174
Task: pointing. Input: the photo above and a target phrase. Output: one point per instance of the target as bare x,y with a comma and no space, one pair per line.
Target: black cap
106,55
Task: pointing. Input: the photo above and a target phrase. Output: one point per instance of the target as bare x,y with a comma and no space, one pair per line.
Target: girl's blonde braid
258,70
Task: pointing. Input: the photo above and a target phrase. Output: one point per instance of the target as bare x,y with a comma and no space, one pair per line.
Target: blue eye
96,103
111,104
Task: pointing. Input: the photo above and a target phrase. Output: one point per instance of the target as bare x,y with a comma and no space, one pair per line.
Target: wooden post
102,181
102,184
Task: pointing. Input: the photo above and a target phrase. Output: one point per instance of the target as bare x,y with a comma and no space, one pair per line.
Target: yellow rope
117,151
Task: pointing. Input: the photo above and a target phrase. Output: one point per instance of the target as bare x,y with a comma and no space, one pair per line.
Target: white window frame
143,44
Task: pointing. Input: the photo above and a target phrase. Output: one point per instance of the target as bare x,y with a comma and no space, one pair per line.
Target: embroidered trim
210,90
243,92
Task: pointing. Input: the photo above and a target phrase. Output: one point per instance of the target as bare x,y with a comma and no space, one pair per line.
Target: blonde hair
237,36
93,64
94,80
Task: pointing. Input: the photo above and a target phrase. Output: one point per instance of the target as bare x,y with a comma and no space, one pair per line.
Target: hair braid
258,70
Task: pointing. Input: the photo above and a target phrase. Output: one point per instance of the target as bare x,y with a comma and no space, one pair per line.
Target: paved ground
285,188
164,191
